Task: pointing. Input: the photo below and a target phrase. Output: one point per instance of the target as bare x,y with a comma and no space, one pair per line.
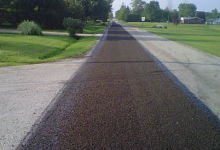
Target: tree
48,13
100,9
208,15
152,11
138,6
166,15
110,15
7,11
122,14
215,13
201,14
176,19
187,10
169,7
76,10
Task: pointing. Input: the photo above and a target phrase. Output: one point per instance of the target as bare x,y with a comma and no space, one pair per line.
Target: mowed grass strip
19,49
90,28
203,37
95,28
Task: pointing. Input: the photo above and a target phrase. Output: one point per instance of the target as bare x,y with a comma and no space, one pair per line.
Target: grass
19,49
94,28
90,28
203,37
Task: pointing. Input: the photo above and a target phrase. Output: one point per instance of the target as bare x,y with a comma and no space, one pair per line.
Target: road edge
207,112
53,104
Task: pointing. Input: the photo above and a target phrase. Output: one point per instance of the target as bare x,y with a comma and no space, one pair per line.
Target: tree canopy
50,13
201,14
138,6
152,11
187,10
215,13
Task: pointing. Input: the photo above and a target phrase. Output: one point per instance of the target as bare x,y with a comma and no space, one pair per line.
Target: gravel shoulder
197,70
26,92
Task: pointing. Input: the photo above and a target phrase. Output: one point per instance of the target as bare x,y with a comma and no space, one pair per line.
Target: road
122,99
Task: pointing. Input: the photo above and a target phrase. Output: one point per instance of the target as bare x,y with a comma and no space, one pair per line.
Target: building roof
212,19
217,20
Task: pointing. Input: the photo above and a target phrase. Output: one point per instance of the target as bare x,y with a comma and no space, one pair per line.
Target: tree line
153,13
51,13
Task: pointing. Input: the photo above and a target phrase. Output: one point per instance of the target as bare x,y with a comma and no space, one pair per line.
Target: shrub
103,24
73,26
29,28
98,21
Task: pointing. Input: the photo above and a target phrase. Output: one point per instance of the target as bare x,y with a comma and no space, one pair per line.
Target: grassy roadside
203,37
90,28
95,28
19,49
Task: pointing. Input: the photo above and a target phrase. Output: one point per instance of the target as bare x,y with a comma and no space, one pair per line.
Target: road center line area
122,99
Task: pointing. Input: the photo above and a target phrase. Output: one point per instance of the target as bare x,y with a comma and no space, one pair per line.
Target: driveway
50,33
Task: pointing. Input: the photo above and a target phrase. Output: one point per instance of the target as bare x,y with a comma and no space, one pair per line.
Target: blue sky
202,5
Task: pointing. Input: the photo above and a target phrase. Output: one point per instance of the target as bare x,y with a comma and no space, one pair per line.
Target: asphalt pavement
122,98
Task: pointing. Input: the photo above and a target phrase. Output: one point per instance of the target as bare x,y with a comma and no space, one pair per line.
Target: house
191,20
214,21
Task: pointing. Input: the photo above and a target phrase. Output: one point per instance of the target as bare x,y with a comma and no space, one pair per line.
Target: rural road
122,98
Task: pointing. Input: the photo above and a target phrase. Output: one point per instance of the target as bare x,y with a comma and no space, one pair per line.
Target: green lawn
90,28
95,28
202,37
19,49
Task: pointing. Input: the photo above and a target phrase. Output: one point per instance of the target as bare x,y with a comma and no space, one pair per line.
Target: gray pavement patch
25,92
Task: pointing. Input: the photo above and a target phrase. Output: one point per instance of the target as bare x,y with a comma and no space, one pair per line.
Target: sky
202,5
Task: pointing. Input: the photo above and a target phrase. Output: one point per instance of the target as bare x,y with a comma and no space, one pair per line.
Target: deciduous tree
187,10
201,14
123,13
138,6
152,11
176,18
215,13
